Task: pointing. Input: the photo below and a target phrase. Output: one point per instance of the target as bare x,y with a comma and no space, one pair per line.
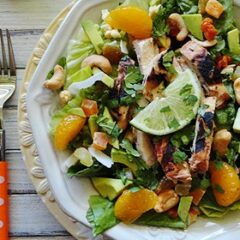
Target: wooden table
26,19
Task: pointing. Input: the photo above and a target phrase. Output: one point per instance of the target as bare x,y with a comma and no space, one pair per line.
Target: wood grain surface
30,220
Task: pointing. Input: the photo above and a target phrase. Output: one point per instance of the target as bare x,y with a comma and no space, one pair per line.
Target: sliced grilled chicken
174,172
202,144
145,147
219,91
122,71
201,61
146,51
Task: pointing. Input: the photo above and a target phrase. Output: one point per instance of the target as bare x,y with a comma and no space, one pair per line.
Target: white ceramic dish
72,194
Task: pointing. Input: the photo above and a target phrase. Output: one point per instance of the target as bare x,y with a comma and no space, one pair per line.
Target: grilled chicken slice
122,72
202,144
145,147
219,91
174,172
200,59
146,51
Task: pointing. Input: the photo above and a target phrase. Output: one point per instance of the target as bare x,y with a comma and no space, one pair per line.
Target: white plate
72,194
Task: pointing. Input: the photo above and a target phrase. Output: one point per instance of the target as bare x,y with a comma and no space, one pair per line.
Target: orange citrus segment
225,183
67,130
133,20
131,205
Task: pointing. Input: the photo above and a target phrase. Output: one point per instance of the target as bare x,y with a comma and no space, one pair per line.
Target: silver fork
7,88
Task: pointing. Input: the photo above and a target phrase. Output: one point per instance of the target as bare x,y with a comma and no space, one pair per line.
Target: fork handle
4,220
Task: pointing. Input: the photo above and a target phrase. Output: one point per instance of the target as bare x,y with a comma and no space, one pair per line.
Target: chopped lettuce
226,21
211,209
77,51
155,219
188,6
96,170
101,214
144,4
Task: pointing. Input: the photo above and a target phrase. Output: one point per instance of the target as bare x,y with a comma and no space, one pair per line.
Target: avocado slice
109,187
106,79
95,37
113,141
184,208
121,157
236,125
193,23
92,124
233,41
77,111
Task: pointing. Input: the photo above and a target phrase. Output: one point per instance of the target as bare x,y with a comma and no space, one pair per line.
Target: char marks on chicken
176,172
199,161
201,61
123,66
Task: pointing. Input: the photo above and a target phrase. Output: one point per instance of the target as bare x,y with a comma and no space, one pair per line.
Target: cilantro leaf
179,157
108,126
101,214
174,124
191,100
186,90
165,109
126,144
218,188
168,62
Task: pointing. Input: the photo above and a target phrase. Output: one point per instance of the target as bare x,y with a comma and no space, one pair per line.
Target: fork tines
4,64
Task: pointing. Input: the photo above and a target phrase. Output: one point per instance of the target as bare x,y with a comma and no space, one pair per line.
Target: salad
149,111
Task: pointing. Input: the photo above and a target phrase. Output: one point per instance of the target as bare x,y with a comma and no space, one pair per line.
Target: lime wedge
175,110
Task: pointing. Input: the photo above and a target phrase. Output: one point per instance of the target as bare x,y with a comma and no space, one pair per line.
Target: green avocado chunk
184,208
233,41
236,125
92,124
106,79
95,37
109,187
122,157
193,23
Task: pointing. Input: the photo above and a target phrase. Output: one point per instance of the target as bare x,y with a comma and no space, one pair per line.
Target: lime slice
175,110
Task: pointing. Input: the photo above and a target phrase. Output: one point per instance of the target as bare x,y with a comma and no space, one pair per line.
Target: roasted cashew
98,61
65,96
181,25
221,141
57,80
166,200
236,87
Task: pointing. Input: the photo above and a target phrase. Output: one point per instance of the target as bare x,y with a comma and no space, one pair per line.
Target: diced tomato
100,140
89,107
214,8
194,211
208,29
172,212
197,195
223,61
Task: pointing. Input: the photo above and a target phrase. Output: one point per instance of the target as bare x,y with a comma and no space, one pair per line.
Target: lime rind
173,112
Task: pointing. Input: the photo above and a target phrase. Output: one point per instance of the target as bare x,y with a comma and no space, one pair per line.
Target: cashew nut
98,61
236,87
181,25
65,96
57,80
166,200
221,141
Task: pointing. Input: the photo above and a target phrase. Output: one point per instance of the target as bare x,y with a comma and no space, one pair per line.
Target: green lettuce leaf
155,219
100,214
188,6
226,22
211,209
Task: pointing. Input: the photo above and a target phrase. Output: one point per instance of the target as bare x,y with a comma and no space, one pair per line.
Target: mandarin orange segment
133,20
131,205
67,130
225,183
